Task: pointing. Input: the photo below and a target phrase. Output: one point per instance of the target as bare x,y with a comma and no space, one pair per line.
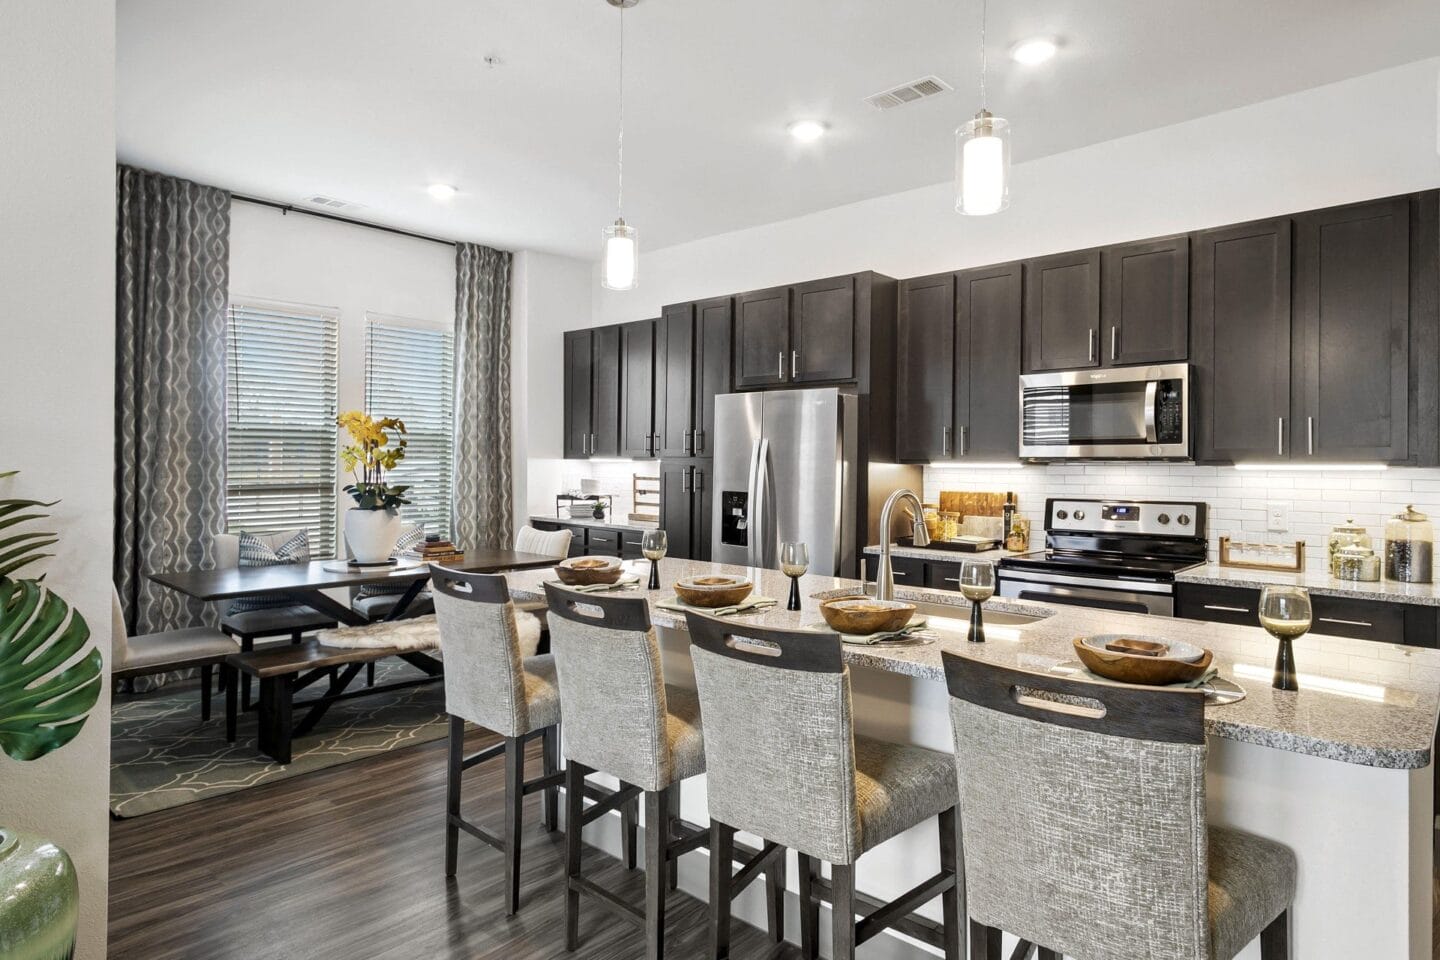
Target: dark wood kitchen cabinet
762,337
925,369
822,340
1145,301
692,366
685,507
1383,621
1062,311
1240,335
592,393
637,388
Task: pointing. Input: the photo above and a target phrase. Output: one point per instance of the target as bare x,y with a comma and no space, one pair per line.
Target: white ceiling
371,100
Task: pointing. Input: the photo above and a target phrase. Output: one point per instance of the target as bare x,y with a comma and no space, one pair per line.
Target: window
280,387
410,375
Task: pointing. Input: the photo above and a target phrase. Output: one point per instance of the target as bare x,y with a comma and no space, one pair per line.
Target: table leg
232,700
406,598
276,716
323,604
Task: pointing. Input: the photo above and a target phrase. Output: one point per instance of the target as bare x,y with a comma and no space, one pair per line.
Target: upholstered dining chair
376,601
552,543
144,656
1084,824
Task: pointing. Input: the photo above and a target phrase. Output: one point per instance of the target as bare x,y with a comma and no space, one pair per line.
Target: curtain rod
289,208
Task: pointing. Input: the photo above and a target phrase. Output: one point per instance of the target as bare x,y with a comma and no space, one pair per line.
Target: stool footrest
912,925
902,905
613,801
476,832
616,905
752,867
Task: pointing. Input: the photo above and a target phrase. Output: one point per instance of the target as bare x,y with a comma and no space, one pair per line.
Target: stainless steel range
1111,554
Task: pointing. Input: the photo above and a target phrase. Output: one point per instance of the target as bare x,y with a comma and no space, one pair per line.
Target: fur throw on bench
419,633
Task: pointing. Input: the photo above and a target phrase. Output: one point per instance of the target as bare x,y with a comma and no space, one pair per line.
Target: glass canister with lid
1409,547
1346,535
1356,562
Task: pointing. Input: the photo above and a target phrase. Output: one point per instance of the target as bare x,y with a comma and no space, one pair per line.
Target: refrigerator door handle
760,525
753,501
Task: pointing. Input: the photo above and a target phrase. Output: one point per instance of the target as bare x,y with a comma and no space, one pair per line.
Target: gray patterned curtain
172,280
482,507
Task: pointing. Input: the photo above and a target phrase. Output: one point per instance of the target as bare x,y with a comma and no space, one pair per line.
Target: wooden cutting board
972,504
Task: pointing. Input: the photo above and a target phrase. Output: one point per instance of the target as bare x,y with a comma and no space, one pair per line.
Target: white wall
57,308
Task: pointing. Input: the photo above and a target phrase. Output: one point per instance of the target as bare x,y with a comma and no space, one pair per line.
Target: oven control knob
1163,518
1079,514
1184,520
1061,515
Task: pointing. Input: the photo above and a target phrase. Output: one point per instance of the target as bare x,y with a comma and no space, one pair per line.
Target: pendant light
982,153
619,254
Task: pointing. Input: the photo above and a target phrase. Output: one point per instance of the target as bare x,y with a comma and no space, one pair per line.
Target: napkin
914,626
745,606
624,583
1199,681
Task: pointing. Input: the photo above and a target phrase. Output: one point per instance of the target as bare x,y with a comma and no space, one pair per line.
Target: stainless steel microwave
1113,413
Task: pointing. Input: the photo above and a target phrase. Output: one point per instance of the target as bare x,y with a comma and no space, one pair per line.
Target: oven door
1127,596
1114,414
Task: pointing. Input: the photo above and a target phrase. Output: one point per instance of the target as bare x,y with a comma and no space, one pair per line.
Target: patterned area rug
162,756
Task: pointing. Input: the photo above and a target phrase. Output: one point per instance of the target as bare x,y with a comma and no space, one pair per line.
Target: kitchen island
1338,771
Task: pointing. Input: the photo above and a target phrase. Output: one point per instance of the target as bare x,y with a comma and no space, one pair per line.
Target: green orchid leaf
42,706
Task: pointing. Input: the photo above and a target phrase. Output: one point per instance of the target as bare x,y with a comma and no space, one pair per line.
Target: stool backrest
779,735
484,679
612,689
551,543
1084,823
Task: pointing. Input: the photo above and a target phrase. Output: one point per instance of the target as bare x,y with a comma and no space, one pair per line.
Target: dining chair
376,601
553,543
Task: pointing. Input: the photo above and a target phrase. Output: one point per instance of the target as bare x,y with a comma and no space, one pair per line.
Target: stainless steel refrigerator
788,467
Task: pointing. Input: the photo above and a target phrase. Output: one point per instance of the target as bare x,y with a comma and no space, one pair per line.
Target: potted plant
372,526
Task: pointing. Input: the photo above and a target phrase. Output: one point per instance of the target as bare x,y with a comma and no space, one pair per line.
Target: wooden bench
286,670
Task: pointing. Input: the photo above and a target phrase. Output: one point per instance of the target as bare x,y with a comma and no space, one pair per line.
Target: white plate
1179,649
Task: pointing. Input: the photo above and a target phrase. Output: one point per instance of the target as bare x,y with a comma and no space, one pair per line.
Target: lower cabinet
587,541
685,507
908,571
1380,620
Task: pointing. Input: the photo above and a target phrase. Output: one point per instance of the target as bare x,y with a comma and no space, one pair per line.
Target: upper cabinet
637,382
1062,311
1145,301
592,393
822,341
762,338
925,369
692,365
577,393
713,324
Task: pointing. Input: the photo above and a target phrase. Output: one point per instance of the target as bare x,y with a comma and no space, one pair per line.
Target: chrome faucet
885,573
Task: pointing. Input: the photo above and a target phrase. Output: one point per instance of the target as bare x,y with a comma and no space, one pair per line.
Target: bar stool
488,683
785,764
622,719
1085,826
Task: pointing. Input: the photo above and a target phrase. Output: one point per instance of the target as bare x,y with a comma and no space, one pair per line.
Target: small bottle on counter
1409,547
1007,514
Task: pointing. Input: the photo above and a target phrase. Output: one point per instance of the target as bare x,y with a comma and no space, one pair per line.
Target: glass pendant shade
982,165
619,257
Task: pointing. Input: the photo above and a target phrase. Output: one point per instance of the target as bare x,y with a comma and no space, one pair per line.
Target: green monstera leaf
42,706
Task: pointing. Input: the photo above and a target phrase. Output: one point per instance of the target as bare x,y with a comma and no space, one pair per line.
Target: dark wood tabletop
292,577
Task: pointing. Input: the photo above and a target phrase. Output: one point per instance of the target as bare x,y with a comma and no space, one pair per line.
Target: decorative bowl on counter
713,590
584,571
1152,661
865,615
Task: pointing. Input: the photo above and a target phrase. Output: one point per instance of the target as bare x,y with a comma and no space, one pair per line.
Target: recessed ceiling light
442,192
1031,52
807,131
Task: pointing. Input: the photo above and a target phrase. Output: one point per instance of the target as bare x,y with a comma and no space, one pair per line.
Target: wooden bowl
865,615
713,590
1146,669
583,571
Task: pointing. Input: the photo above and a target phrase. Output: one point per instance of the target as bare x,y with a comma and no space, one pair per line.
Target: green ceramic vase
39,899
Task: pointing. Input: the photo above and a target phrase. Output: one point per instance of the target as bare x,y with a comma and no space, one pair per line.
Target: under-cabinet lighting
1307,681
1315,467
966,465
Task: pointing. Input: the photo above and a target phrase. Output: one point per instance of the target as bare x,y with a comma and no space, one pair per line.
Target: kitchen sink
961,611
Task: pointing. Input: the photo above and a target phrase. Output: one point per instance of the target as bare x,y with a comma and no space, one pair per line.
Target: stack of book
437,551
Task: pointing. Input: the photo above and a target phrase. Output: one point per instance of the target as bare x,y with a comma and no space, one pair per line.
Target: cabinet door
605,392
762,337
577,394
1062,311
1145,301
675,509
1240,333
701,506
925,369
713,359
637,387
1352,326
675,380
822,347
987,365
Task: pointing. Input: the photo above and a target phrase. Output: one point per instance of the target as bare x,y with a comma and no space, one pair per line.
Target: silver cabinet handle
592,443
899,573
794,362
780,365
951,580
697,479
687,444
1310,436
1348,623
964,440
685,479
697,442
584,443
1114,343
1224,609
944,441
1092,344
632,543
1279,436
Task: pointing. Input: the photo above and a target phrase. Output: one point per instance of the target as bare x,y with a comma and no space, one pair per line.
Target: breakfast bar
1339,771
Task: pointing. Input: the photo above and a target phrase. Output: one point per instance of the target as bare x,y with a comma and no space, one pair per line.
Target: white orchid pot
371,535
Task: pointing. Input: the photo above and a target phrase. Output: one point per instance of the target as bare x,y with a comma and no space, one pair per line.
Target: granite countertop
1316,581
592,522
938,553
1360,701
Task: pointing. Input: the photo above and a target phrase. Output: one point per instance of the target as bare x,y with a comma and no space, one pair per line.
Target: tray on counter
955,546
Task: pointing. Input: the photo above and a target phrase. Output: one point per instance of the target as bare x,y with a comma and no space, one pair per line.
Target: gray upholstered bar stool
785,764
1085,826
488,683
625,721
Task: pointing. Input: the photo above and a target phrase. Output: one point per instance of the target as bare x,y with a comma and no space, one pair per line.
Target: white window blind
281,465
410,375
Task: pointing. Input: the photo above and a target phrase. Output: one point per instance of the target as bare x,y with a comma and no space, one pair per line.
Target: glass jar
1409,547
1345,535
1357,562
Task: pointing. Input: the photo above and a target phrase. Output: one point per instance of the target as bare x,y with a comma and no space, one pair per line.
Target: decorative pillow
255,552
409,540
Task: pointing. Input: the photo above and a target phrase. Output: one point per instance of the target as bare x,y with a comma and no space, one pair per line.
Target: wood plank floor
348,864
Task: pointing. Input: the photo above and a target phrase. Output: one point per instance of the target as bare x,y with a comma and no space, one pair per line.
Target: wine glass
653,545
1285,615
977,583
794,561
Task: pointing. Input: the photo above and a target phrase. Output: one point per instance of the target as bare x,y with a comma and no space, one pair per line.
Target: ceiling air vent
907,93
331,203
